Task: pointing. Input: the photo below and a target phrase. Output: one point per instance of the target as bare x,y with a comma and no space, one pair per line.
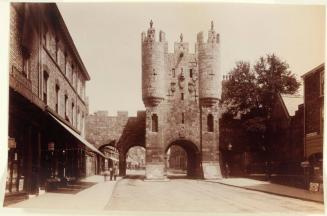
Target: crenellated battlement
150,36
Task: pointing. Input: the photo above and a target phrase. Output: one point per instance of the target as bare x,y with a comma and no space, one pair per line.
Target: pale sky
108,38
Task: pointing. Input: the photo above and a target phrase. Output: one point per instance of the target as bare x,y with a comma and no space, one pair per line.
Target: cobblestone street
134,194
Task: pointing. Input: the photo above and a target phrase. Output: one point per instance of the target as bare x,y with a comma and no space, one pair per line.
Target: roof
292,103
319,67
70,40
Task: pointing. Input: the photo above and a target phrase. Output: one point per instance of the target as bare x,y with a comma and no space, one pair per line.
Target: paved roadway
134,194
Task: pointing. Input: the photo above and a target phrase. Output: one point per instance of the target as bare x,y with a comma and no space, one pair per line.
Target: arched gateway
180,92
193,157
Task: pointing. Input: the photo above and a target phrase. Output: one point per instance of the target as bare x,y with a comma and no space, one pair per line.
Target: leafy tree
250,94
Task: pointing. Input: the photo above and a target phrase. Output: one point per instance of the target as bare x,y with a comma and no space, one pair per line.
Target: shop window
45,87
210,123
57,98
154,123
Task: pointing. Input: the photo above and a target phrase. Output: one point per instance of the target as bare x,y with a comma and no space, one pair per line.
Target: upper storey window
173,73
154,119
26,65
45,87
191,73
57,98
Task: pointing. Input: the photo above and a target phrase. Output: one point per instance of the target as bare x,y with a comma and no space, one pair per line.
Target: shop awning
79,137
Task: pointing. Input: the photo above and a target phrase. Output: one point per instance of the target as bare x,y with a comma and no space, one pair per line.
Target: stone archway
102,163
123,157
193,157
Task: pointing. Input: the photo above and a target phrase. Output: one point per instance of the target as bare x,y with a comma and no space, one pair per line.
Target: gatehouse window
154,123
210,123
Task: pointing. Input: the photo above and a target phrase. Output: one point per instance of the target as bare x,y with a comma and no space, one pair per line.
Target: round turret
153,67
208,64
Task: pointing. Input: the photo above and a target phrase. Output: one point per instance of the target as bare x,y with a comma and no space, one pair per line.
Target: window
77,118
45,87
66,104
26,66
183,118
73,75
65,64
57,49
173,72
82,124
191,73
210,123
73,107
182,96
57,98
45,32
154,123
322,83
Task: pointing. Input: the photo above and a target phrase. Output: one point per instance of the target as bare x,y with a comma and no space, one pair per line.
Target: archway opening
135,161
112,157
183,160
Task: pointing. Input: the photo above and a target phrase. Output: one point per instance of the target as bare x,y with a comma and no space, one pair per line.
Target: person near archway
115,172
111,172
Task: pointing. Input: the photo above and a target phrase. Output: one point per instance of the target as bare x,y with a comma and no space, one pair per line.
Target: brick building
314,117
47,104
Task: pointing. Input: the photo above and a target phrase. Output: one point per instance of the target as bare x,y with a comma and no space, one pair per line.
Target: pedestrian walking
227,170
116,172
111,172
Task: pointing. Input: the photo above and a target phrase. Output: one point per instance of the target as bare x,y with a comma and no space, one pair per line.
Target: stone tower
180,93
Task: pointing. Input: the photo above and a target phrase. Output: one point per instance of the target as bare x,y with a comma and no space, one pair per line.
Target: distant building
47,104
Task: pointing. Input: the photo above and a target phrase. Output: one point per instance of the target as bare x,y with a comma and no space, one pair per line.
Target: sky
108,38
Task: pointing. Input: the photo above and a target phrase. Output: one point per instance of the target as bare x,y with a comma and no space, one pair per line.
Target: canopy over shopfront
79,137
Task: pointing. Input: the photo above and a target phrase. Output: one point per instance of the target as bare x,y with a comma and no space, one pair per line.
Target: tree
250,94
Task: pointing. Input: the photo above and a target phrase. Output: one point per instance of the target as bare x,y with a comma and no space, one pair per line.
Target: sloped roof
292,103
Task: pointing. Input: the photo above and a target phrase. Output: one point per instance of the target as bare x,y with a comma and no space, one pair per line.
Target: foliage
250,93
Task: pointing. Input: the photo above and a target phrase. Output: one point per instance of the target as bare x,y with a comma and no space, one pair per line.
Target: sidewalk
271,188
95,197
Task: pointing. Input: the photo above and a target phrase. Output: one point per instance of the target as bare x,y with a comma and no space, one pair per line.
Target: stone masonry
180,92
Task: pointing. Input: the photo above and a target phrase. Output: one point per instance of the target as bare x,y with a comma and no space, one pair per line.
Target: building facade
47,104
314,118
180,93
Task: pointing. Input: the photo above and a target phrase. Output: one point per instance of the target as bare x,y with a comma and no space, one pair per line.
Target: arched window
210,123
154,123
